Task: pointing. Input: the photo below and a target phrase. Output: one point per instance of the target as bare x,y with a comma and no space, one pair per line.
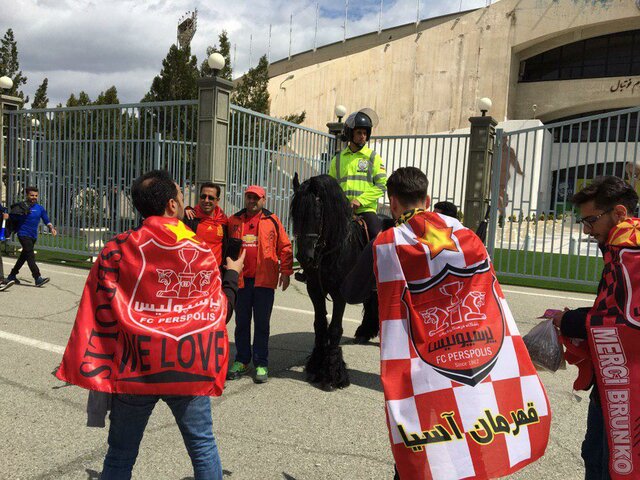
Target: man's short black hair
30,189
152,191
607,192
408,184
447,208
211,185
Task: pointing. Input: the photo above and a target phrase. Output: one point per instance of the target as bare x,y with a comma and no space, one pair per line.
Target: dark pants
28,256
259,302
374,225
595,449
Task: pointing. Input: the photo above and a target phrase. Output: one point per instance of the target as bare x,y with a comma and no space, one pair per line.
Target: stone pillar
213,132
476,197
335,129
7,103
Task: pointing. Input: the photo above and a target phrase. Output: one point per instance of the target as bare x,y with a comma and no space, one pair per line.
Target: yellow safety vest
361,176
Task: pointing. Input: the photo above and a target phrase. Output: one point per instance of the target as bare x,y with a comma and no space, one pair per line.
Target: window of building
614,55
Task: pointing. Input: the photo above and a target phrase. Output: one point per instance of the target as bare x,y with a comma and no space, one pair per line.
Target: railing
84,159
268,151
533,232
443,158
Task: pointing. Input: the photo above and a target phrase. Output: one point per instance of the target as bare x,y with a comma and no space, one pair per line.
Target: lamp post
213,126
481,144
335,128
5,84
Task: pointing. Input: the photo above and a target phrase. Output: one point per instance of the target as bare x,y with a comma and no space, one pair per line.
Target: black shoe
40,281
6,284
12,278
300,276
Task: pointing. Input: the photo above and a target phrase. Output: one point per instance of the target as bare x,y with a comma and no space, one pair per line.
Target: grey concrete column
481,143
7,103
335,129
213,132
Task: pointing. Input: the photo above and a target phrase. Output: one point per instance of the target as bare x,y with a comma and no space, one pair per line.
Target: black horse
328,244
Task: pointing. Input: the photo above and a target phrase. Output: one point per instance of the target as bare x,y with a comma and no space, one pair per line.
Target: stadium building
542,59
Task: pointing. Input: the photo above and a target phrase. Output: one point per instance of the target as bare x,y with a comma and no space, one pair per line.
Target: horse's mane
335,206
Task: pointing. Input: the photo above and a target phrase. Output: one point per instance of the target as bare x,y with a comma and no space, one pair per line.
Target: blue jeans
259,302
129,416
595,449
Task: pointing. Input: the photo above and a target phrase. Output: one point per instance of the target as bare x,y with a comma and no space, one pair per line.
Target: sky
91,45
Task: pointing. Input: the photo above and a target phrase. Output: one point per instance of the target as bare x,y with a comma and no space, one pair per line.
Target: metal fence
268,151
84,159
533,231
442,157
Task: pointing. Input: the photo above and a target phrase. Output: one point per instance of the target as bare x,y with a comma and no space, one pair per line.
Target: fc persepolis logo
456,322
174,301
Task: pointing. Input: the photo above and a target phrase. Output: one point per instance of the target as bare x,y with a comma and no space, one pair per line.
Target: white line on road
47,269
546,295
49,347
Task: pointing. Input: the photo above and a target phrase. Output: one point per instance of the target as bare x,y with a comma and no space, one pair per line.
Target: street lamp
484,105
340,112
6,83
290,77
216,63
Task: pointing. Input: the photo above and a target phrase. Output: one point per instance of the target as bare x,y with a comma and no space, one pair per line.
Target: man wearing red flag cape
462,398
603,341
152,325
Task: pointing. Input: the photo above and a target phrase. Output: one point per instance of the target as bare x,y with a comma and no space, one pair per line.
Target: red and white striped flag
462,398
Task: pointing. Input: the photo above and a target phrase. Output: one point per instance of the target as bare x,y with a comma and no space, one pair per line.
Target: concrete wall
429,81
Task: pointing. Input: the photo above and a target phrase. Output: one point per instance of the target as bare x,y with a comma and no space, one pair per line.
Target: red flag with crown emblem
152,316
462,398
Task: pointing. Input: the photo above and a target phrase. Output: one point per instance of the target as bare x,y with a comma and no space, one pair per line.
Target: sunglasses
592,219
208,197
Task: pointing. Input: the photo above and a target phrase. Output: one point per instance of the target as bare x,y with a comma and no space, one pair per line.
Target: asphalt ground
284,429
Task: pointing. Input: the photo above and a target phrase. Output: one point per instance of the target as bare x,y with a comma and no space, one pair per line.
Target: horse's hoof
327,387
358,340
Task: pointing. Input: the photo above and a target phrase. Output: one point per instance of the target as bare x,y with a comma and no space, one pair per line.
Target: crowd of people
207,265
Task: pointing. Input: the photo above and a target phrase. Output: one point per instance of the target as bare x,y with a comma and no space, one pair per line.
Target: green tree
108,97
224,49
252,91
82,100
10,66
178,77
40,99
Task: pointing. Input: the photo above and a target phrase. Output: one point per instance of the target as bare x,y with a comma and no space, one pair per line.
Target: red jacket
275,254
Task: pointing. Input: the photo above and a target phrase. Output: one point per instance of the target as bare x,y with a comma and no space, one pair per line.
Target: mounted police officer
359,170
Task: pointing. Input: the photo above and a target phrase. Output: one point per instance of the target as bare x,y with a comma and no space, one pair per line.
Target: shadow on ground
288,354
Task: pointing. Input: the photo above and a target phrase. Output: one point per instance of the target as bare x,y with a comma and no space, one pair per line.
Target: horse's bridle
318,242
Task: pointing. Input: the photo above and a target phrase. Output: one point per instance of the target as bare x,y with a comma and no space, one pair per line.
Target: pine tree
108,97
177,79
224,49
40,99
82,100
252,91
10,66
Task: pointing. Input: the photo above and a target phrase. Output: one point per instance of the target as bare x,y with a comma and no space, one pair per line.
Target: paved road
285,429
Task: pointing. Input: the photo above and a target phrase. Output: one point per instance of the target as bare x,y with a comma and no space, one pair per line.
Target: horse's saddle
387,222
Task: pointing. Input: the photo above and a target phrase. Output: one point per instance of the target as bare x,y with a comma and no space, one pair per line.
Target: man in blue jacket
27,230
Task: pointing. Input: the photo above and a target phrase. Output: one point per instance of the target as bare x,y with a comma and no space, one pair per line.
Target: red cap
258,190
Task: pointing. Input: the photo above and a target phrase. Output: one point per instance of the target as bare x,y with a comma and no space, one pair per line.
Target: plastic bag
544,346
